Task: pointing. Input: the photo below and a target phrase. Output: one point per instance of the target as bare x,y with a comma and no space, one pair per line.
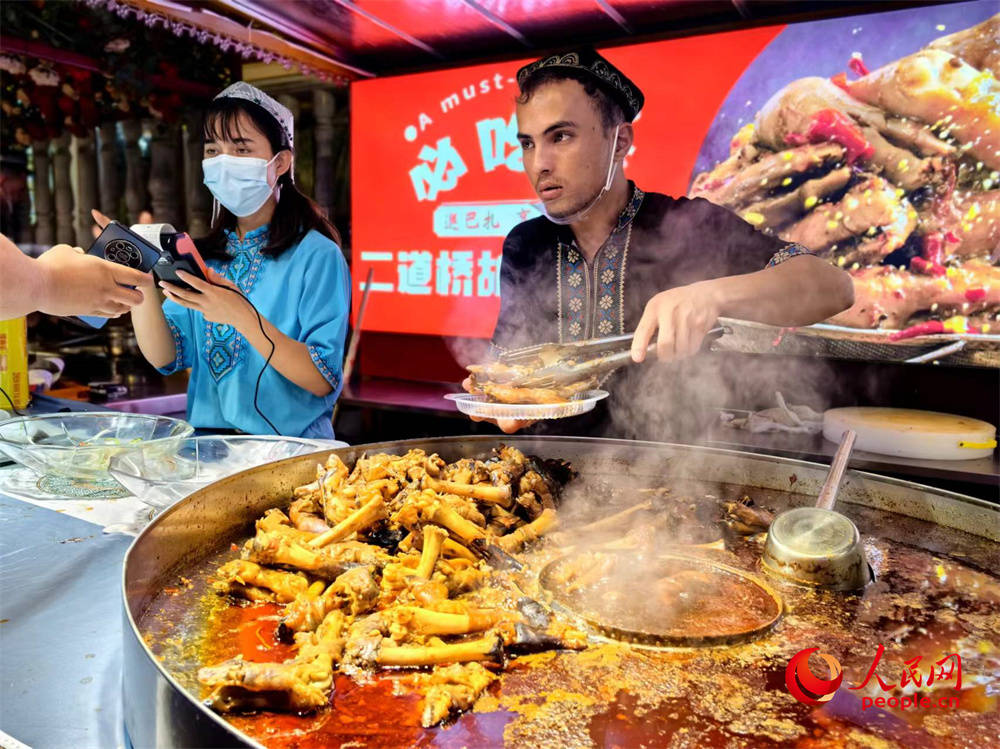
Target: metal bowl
816,547
161,477
79,446
162,705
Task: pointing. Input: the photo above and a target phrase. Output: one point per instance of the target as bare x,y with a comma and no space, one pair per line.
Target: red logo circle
804,685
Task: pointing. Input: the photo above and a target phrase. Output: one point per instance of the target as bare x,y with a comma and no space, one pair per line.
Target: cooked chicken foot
305,515
529,532
354,592
604,525
434,538
483,492
237,574
300,686
367,515
488,648
328,562
412,620
450,689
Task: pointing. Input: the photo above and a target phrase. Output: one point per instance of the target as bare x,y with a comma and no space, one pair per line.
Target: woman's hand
218,299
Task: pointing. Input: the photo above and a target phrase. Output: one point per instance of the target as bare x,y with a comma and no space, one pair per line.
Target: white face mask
240,183
577,215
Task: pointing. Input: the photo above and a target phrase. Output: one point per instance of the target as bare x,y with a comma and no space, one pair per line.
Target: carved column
324,108
63,187
111,176
164,176
292,102
45,229
301,163
197,198
25,231
85,193
135,179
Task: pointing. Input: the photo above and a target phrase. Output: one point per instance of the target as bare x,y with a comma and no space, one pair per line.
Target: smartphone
179,253
120,245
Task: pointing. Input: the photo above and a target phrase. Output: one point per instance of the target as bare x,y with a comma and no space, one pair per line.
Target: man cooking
608,258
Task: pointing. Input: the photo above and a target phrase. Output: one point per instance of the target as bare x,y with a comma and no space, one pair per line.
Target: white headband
281,113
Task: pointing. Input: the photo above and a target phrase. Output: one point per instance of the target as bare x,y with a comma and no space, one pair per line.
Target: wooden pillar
26,232
111,182
292,103
164,176
85,193
45,228
324,108
197,198
63,186
301,164
135,179
341,170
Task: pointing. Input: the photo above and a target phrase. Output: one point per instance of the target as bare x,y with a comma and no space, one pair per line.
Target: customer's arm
65,281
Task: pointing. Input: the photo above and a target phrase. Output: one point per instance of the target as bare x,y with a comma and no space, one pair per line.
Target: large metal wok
160,712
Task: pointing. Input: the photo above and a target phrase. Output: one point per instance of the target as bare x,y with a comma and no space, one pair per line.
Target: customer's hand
507,426
74,283
148,286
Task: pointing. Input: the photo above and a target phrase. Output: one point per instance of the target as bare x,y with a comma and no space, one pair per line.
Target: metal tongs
549,365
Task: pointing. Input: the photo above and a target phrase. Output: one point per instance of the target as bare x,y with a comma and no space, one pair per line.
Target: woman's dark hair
294,216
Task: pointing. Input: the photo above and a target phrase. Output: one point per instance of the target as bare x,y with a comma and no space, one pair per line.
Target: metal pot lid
662,599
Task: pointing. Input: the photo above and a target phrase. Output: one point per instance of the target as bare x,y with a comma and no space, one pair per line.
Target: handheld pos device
159,248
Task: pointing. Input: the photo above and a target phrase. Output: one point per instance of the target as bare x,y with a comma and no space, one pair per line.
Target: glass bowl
79,446
160,478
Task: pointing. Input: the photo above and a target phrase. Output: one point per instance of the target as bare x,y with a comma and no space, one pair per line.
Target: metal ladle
818,546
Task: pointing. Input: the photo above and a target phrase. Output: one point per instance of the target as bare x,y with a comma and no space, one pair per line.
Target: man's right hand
507,426
75,283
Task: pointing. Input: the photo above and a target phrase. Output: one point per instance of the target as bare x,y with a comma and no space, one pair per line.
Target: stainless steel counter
983,472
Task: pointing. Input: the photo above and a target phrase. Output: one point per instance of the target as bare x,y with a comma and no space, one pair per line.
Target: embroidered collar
631,207
564,233
252,242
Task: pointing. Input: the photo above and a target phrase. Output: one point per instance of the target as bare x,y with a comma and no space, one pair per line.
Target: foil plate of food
482,405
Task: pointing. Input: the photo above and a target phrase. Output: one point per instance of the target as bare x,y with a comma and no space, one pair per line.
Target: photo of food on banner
891,174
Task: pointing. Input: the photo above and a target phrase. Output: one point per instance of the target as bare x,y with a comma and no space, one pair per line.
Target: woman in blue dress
269,246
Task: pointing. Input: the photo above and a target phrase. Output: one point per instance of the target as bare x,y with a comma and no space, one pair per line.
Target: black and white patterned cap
587,61
281,113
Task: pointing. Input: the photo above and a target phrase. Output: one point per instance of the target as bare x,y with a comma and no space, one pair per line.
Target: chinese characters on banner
440,166
445,273
438,181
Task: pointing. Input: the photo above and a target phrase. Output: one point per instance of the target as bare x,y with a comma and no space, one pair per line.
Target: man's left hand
680,318
219,301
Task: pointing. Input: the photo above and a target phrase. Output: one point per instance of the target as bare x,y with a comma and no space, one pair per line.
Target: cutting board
908,433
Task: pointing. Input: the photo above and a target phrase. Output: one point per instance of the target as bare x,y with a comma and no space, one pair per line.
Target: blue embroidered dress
305,293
